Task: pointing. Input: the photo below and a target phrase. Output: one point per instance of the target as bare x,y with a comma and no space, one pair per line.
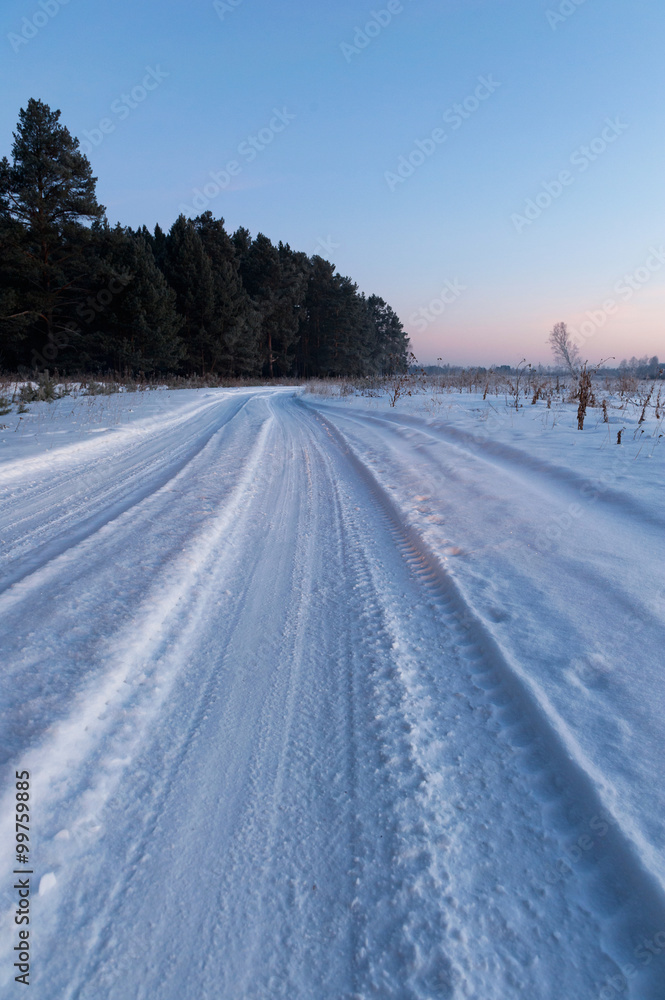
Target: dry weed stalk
584,395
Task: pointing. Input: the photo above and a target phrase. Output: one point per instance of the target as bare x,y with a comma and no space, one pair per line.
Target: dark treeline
81,296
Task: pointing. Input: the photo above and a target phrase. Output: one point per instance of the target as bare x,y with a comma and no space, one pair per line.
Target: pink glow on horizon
636,329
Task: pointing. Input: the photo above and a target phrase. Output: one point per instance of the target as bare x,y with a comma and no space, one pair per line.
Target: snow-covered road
303,721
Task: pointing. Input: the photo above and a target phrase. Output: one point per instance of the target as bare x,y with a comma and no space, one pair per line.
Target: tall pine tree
47,194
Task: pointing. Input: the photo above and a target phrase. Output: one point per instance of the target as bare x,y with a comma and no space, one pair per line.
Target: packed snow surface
324,699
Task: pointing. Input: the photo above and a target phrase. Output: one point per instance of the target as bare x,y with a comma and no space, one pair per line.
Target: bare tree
563,348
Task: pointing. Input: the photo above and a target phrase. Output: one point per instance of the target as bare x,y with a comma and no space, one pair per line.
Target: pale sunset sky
489,167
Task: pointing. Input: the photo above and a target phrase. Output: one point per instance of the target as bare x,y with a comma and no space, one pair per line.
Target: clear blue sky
360,103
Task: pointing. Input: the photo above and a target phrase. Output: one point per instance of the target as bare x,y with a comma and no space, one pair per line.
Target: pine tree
46,195
317,326
130,323
75,292
159,246
236,327
351,351
261,276
391,340
289,312
189,272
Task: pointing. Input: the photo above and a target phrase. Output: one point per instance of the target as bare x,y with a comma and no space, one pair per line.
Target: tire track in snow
255,846
80,452
513,462
287,934
620,886
71,749
376,832
257,832
27,497
59,624
575,567
432,733
39,556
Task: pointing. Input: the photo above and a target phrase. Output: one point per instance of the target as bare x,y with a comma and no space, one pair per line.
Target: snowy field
324,699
